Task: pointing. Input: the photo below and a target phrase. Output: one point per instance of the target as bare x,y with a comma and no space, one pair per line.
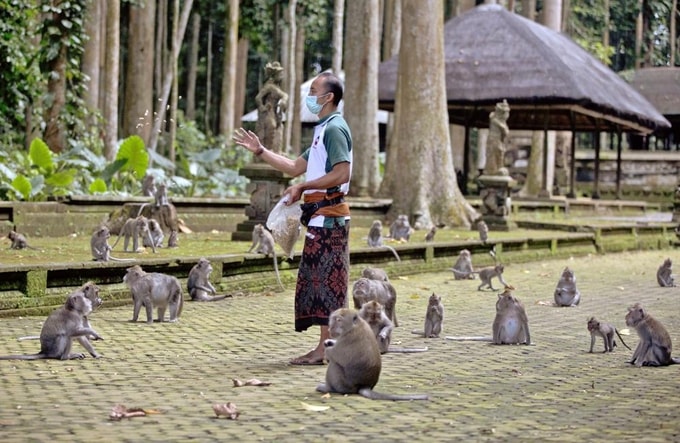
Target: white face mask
312,105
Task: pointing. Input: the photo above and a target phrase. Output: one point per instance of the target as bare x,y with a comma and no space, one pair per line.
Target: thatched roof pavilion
661,86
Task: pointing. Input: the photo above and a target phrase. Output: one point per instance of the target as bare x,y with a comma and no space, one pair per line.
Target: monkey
400,229
60,328
263,241
135,228
486,274
430,235
483,231
198,283
148,186
156,235
434,316
19,241
606,331
663,274
566,293
511,325
161,196
354,360
383,292
374,314
154,290
100,248
375,239
463,267
654,347
374,274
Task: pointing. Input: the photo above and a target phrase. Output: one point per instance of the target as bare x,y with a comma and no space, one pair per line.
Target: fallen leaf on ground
251,382
544,303
314,408
119,412
227,409
624,331
401,277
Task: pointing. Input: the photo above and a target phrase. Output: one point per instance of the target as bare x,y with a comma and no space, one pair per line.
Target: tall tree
290,78
338,21
111,77
229,69
362,46
92,54
426,188
192,74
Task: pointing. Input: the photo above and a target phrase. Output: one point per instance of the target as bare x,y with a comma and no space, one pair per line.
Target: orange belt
332,210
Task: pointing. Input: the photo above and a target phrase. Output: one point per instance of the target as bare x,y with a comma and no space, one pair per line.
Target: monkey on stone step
19,241
374,314
654,348
483,231
375,239
400,229
155,237
154,290
263,242
135,228
100,248
354,361
606,331
148,186
198,283
430,235
60,328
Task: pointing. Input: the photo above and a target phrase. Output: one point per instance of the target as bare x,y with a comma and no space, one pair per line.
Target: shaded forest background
173,77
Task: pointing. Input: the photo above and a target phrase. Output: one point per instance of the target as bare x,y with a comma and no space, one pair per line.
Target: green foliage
134,153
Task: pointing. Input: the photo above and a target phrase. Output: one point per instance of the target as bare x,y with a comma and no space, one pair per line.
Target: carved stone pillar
496,203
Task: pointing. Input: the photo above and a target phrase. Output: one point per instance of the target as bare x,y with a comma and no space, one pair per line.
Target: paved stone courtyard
551,391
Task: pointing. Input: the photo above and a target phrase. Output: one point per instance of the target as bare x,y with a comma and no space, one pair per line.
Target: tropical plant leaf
41,155
62,179
133,151
161,161
98,187
22,185
112,168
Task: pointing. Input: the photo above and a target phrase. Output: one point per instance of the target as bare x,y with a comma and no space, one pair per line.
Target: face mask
312,105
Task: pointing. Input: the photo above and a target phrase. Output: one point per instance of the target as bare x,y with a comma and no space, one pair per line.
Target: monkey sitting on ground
263,242
664,274
374,274
483,231
434,316
375,239
365,290
400,229
198,283
154,290
511,325
354,361
155,237
100,248
566,293
19,241
606,331
374,314
654,348
60,328
135,228
463,268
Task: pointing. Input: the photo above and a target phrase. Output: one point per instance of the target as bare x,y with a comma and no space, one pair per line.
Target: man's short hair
334,85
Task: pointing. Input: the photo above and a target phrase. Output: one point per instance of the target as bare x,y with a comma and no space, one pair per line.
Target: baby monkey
606,331
374,314
19,241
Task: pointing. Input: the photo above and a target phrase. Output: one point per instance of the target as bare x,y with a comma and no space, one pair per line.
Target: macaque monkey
353,356
430,235
654,348
148,186
664,274
434,317
365,290
606,331
374,314
374,274
375,239
511,325
483,231
135,228
161,195
463,268
155,237
263,242
154,290
566,293
486,274
100,248
198,283
400,229
60,328
19,241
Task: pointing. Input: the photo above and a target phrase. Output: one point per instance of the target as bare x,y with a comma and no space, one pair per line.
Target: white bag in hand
284,222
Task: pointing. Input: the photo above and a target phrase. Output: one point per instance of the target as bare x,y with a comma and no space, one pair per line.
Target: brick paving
551,391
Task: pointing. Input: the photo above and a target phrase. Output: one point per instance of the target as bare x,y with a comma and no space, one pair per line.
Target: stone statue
495,143
272,102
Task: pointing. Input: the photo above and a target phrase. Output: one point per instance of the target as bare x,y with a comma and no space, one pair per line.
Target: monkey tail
23,357
675,361
393,252
276,269
29,337
621,338
407,350
373,395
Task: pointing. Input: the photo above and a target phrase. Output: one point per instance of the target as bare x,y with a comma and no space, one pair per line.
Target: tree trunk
111,78
138,106
289,72
241,75
92,56
192,69
425,189
338,17
671,37
209,129
639,34
161,48
229,69
361,102
54,133
529,11
174,97
391,40
296,126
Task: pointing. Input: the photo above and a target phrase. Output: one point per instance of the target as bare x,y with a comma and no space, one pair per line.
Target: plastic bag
284,222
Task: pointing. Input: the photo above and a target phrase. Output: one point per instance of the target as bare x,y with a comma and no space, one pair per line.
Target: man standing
323,275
